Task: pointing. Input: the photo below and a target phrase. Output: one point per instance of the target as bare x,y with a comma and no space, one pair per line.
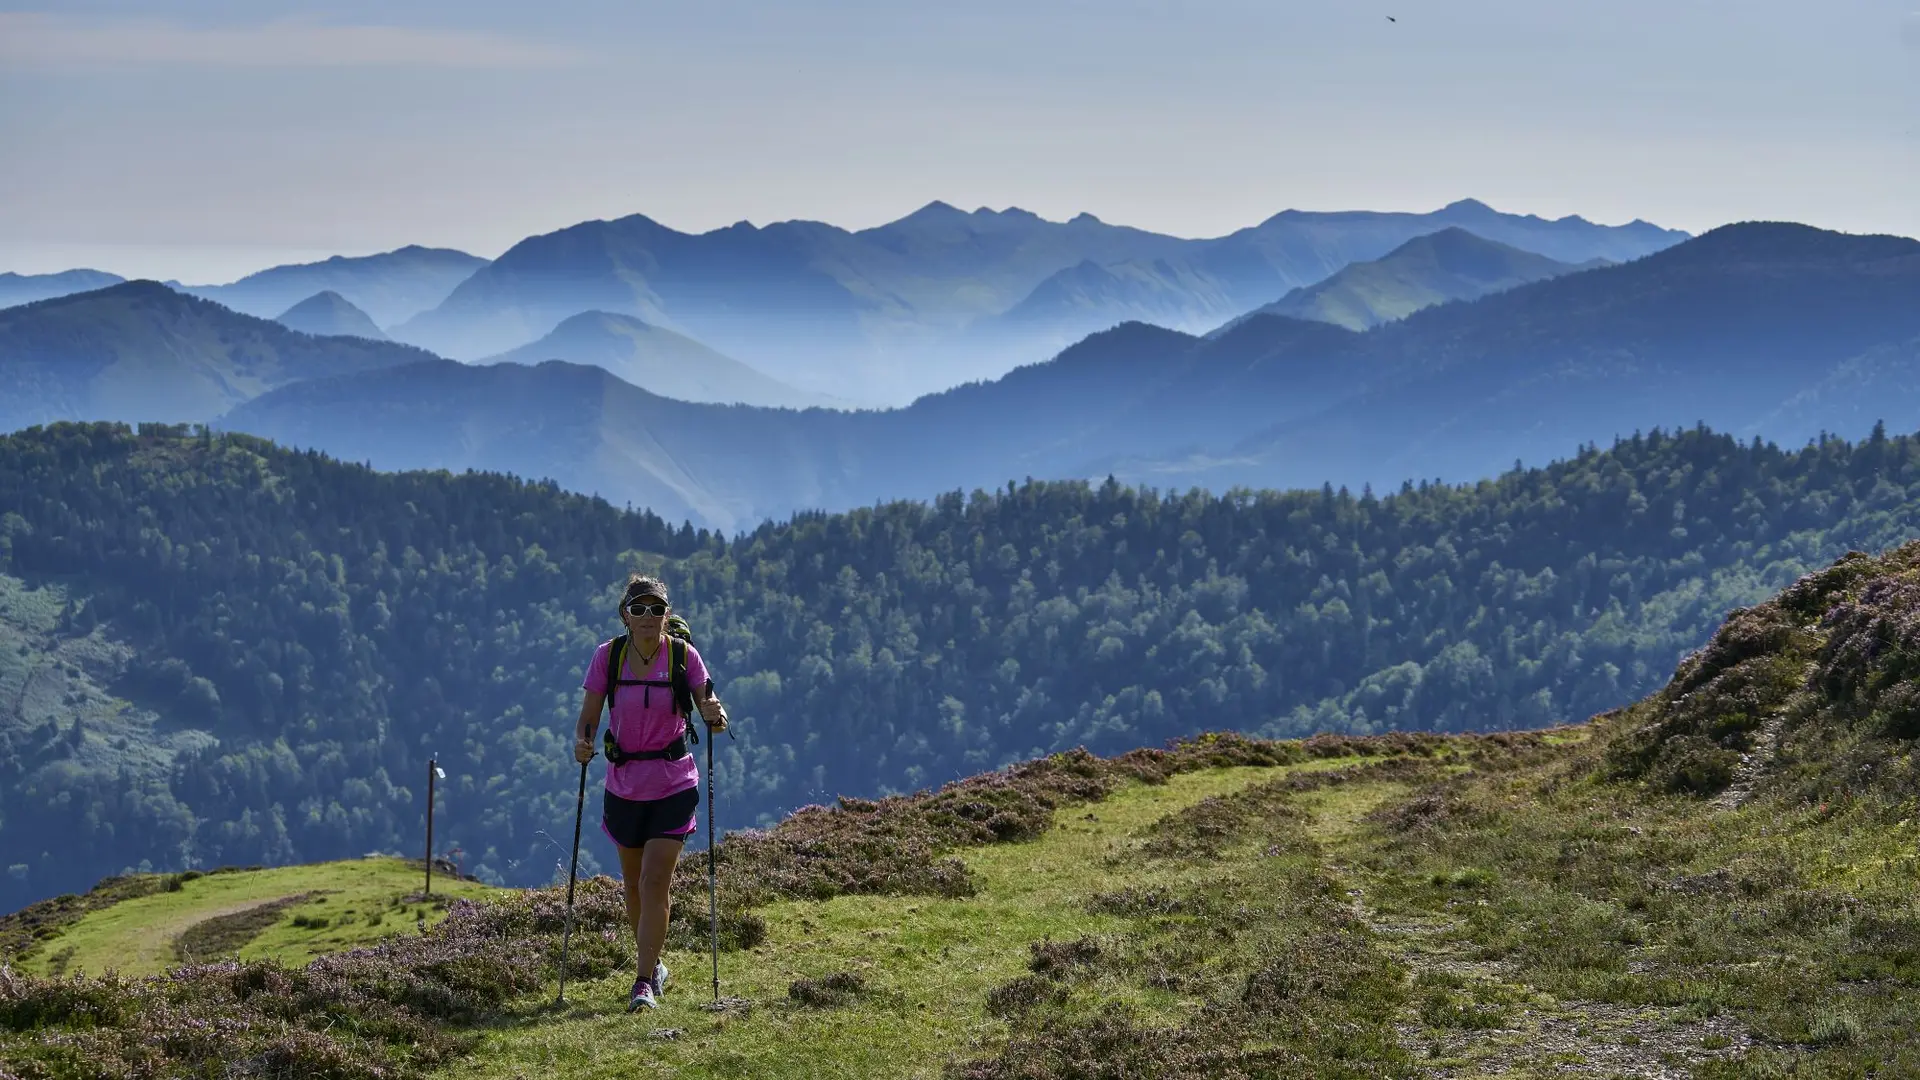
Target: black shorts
631,823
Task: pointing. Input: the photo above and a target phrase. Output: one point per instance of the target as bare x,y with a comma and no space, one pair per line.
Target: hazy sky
202,139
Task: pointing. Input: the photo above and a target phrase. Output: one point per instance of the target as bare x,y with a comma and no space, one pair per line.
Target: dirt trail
225,933
1753,765
1518,1029
1539,1034
156,943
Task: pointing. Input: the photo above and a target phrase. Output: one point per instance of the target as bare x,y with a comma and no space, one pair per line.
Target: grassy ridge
926,964
1473,909
413,1003
316,909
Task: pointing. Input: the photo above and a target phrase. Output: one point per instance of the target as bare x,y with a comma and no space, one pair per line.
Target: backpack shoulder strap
682,693
616,652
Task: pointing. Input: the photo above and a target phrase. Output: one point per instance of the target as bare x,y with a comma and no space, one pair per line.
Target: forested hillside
269,645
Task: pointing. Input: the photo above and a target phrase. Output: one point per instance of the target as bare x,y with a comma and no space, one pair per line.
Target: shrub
1114,1045
1056,960
1014,999
1135,902
1689,764
1746,634
834,990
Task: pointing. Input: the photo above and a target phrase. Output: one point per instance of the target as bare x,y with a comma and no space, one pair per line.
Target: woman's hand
583,750
714,713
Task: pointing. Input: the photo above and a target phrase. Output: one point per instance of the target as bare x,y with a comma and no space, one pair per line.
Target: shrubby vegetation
1826,675
331,627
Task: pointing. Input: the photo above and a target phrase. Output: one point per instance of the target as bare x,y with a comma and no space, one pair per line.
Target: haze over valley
1451,355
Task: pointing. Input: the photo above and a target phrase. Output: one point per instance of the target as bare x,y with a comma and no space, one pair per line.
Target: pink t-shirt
643,719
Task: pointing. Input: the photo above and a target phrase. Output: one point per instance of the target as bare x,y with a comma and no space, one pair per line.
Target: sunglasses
639,610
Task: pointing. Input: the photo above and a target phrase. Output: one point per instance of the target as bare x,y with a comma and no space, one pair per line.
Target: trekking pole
713,877
566,937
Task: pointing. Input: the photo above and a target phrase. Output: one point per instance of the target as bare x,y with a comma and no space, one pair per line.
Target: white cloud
35,40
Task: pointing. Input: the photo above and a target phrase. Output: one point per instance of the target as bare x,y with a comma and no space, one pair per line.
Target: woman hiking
653,785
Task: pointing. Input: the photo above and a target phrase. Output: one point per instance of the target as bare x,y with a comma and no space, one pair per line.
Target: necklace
639,664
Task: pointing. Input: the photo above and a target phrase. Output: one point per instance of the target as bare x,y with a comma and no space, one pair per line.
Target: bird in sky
1392,19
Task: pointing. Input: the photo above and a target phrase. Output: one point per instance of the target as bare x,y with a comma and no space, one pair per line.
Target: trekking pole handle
725,716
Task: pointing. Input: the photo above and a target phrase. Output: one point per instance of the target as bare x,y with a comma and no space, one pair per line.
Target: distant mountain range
1767,329
17,289
883,315
1090,296
940,296
388,287
659,361
1452,264
140,351
328,314
727,466
1759,328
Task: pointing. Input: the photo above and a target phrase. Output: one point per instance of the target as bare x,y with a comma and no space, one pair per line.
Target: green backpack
679,636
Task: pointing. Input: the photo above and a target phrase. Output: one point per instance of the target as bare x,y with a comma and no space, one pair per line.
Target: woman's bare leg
648,875
631,860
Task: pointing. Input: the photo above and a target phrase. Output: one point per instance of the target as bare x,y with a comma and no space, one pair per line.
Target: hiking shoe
659,979
643,994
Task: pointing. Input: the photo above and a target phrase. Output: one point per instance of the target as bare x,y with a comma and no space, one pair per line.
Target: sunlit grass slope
1476,912
288,914
926,964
